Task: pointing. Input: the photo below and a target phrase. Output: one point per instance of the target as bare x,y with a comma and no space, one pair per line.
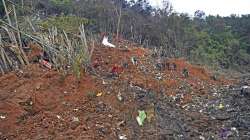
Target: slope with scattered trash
128,94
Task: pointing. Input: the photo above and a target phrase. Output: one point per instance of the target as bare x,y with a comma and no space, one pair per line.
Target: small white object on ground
58,117
245,87
134,61
202,138
106,43
119,96
75,119
2,117
123,137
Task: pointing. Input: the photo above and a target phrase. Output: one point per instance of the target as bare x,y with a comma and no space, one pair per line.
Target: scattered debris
119,97
46,64
106,43
99,94
75,119
2,117
177,107
202,138
59,117
221,106
122,137
116,70
134,60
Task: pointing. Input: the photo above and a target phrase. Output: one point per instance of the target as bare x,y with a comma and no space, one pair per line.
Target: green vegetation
61,2
211,40
219,44
67,23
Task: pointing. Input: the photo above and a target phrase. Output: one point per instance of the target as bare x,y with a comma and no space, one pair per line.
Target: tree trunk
118,23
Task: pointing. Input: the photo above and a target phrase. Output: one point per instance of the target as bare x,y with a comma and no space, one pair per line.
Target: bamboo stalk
92,50
23,55
82,30
118,22
3,58
6,11
68,42
35,38
31,25
2,53
84,41
1,69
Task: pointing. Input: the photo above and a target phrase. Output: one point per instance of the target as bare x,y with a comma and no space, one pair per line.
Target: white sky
212,7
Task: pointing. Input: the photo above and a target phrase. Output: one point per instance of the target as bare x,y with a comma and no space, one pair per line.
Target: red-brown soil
44,104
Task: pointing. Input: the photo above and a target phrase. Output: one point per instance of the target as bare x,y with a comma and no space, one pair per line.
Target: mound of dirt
37,103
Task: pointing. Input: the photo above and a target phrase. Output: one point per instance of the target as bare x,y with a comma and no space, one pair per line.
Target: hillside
119,69
38,103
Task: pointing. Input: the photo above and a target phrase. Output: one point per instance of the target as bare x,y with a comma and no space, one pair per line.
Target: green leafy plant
141,118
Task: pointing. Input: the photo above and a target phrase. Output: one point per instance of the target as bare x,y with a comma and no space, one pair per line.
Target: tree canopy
213,40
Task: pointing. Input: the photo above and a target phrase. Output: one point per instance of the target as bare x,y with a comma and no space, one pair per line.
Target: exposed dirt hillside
37,103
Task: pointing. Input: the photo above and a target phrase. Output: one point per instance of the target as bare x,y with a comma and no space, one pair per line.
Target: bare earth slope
37,103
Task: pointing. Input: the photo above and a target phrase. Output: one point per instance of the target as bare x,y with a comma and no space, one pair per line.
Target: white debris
106,43
119,96
202,138
2,117
123,137
104,83
215,94
134,60
234,129
76,109
58,117
75,119
245,87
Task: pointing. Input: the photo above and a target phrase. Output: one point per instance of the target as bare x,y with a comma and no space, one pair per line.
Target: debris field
173,99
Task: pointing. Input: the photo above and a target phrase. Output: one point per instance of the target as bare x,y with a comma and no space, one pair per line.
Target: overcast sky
213,7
